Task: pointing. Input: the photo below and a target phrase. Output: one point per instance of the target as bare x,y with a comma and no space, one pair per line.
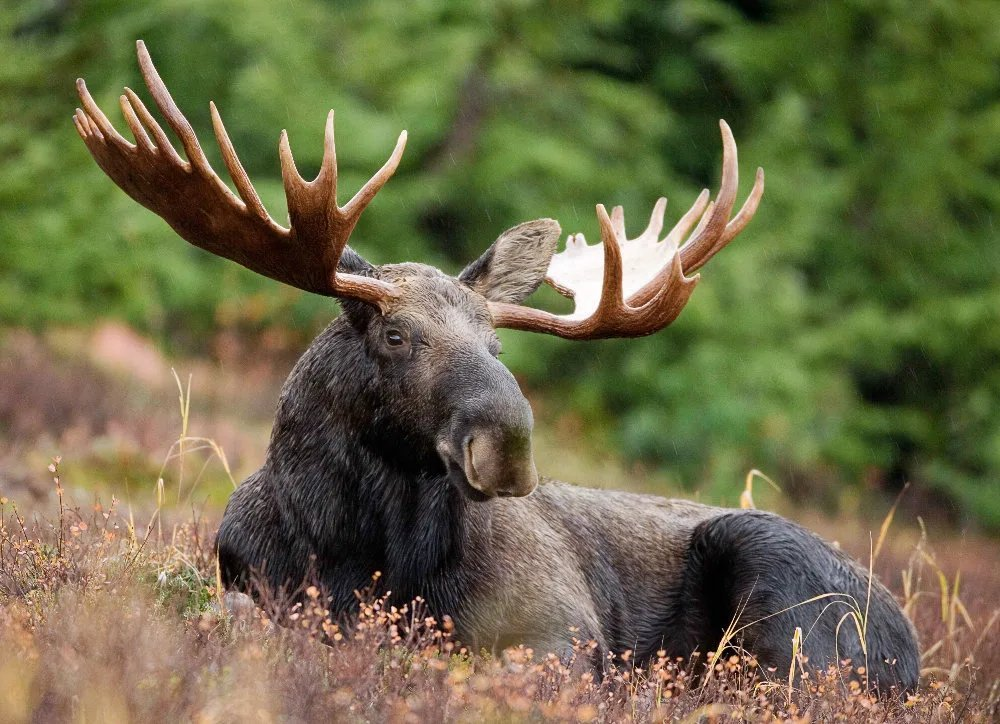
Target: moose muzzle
491,459
499,463
486,442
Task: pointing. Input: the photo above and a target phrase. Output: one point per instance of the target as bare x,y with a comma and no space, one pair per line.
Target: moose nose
499,462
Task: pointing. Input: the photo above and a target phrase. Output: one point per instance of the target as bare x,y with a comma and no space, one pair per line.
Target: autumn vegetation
110,607
104,617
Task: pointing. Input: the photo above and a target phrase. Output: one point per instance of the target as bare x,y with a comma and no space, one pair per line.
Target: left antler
198,205
633,287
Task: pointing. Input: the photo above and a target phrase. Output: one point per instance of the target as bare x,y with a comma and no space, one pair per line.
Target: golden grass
114,624
103,620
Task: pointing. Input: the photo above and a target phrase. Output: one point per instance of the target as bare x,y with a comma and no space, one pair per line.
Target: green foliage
850,334
182,589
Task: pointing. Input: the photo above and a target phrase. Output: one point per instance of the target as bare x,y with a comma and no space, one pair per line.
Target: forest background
846,344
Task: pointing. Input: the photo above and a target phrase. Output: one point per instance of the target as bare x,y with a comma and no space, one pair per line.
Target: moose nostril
471,472
498,463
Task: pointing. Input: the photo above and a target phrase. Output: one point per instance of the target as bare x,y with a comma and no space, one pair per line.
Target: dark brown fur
414,459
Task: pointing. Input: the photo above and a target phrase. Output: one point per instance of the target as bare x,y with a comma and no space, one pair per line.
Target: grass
102,619
114,612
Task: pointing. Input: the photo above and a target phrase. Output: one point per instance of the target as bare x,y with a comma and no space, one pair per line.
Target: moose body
402,445
349,489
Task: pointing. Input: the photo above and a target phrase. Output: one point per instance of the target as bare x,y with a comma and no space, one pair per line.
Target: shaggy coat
358,479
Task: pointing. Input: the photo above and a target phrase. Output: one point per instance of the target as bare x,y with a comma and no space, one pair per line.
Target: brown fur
398,441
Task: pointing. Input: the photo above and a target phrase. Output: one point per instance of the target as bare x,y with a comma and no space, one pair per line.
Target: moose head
431,336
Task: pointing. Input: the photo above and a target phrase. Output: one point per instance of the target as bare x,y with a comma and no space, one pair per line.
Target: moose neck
374,498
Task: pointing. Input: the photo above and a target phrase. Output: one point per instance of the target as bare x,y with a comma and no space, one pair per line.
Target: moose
402,445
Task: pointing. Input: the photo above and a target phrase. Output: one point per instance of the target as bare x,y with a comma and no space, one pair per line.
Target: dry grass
102,619
60,393
113,612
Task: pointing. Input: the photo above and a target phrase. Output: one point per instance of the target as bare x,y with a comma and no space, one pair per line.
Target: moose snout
485,443
499,463
493,460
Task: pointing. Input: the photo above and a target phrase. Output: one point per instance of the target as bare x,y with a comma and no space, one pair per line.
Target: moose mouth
456,474
476,471
462,471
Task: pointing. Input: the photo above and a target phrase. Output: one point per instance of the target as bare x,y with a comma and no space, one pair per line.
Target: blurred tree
877,122
849,335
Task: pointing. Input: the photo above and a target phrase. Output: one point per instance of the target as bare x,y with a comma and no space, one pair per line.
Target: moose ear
351,262
515,265
358,313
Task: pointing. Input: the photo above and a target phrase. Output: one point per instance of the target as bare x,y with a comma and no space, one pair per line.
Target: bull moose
402,444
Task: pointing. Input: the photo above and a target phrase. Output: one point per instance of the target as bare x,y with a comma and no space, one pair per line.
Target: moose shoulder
402,445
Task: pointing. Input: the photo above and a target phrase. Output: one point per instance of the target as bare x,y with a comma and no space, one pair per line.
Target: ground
110,608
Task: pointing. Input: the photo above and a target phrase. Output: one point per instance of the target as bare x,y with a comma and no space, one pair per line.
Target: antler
200,207
644,283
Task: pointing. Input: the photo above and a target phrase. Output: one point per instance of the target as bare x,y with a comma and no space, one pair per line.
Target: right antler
633,287
200,207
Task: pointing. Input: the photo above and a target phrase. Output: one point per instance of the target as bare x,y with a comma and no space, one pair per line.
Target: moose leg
763,577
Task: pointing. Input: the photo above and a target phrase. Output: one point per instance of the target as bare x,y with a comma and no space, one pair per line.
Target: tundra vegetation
107,614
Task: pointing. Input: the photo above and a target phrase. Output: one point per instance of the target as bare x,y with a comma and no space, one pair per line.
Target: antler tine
296,188
200,207
697,211
79,126
611,290
645,283
699,228
327,175
235,167
655,225
326,179
175,119
617,221
142,138
698,249
734,227
98,123
747,211
163,144
367,192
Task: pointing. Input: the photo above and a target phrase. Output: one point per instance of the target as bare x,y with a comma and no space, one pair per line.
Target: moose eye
393,338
